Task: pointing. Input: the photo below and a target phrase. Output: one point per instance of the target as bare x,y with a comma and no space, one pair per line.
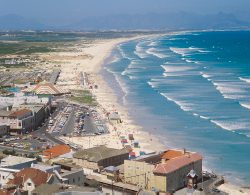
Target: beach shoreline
108,102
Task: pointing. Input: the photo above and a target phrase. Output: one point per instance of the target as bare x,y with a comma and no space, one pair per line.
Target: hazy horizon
60,13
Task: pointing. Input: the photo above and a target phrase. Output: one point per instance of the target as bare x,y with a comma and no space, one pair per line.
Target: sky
63,12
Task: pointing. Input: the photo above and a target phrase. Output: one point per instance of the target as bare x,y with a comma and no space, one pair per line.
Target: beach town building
20,98
19,121
99,157
16,162
46,88
24,113
46,168
29,178
166,172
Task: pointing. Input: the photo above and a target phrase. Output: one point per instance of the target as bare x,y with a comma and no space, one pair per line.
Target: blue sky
70,11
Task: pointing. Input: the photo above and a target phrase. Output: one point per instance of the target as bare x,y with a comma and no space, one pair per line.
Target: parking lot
75,120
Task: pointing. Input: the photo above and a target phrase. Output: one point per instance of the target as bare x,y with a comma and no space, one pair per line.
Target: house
56,151
17,162
100,157
163,172
20,121
74,177
29,178
40,112
171,175
47,168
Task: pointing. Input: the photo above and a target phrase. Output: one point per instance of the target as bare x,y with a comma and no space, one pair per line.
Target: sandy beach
90,59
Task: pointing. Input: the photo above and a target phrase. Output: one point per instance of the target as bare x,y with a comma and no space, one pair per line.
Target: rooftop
37,176
50,189
169,154
15,160
56,151
20,112
176,163
98,153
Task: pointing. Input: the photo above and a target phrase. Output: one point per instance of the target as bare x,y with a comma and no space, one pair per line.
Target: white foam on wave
185,106
181,51
247,80
151,84
245,105
123,54
231,125
230,90
155,52
206,76
171,69
153,44
203,117
190,61
187,51
140,52
123,87
132,68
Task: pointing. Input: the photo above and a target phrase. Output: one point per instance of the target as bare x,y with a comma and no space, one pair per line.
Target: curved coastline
226,187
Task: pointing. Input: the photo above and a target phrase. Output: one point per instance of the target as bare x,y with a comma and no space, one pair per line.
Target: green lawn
83,97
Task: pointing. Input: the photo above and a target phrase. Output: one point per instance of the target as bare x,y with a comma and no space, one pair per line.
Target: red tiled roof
176,163
172,154
20,112
37,176
56,151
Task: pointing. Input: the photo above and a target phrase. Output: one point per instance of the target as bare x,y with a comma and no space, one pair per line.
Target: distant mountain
16,22
170,21
182,20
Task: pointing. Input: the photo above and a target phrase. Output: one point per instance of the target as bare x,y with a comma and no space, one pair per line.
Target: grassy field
83,97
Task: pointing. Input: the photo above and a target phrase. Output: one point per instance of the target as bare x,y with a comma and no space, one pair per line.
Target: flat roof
15,160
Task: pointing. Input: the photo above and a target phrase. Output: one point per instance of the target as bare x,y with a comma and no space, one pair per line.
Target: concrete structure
40,113
46,88
28,179
21,98
47,168
74,177
17,116
17,162
4,129
19,120
100,157
166,172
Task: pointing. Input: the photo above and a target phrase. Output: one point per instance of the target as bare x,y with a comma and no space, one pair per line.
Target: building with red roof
165,172
56,151
29,178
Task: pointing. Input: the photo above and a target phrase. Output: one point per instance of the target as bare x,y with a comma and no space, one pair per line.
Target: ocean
192,89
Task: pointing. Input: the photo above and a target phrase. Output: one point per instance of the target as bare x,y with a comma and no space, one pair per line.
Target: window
29,184
79,178
73,180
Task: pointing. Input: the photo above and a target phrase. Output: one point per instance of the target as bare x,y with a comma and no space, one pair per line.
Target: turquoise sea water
192,90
